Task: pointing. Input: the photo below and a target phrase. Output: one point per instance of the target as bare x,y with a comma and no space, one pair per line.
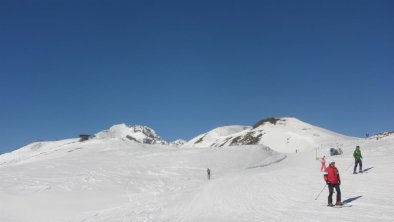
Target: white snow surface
113,179
140,134
212,137
286,135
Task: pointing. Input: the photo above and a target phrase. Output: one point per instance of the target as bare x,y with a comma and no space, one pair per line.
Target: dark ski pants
331,190
356,163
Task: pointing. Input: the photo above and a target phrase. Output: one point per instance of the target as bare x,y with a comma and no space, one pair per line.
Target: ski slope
120,180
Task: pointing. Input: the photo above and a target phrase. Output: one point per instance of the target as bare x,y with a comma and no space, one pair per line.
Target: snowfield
285,135
112,179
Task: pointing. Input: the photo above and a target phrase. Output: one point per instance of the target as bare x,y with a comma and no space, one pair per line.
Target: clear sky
185,67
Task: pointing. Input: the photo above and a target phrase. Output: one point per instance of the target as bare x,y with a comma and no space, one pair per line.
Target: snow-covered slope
115,180
281,134
178,143
140,134
212,138
36,150
112,180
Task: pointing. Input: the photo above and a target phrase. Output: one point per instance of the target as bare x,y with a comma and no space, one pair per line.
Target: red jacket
332,175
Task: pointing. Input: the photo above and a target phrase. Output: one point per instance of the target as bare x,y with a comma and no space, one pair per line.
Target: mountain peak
271,120
286,134
137,133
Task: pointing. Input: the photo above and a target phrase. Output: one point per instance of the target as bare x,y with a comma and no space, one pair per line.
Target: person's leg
331,191
338,190
361,165
355,166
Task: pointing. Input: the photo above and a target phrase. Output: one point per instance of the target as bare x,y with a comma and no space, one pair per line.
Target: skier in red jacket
333,181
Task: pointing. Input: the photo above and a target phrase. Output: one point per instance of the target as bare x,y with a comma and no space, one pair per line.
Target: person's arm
326,178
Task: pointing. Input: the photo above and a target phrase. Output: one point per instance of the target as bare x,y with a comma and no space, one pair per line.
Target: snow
140,134
213,136
286,135
113,179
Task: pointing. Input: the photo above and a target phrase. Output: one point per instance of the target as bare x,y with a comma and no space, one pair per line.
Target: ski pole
321,192
349,166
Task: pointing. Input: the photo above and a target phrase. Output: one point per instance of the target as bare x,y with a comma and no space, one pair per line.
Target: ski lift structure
84,137
335,151
330,151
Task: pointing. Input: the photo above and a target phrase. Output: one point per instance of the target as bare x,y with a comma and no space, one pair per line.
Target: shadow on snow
351,199
264,165
365,170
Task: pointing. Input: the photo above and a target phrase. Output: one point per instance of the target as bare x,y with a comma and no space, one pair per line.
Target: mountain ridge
137,133
286,134
283,134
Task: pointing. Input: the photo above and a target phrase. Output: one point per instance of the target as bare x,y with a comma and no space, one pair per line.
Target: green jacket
357,154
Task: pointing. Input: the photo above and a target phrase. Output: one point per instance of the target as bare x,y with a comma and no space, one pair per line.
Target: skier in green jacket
357,157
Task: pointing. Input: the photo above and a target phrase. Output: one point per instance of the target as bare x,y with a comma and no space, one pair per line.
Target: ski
360,172
337,206
346,205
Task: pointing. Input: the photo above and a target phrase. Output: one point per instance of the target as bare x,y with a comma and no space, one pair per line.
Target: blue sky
186,67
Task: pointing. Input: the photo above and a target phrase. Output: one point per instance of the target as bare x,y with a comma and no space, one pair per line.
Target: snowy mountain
213,137
177,143
383,135
140,134
281,134
112,178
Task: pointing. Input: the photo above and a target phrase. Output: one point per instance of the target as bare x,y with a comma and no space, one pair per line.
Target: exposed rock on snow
140,134
177,143
382,135
281,134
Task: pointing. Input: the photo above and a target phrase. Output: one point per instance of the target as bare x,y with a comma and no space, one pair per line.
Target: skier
323,164
209,173
357,158
333,181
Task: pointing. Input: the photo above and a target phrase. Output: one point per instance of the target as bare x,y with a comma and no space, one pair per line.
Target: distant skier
208,173
323,164
357,158
333,181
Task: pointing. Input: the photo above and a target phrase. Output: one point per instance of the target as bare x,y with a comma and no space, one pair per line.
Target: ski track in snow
129,182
